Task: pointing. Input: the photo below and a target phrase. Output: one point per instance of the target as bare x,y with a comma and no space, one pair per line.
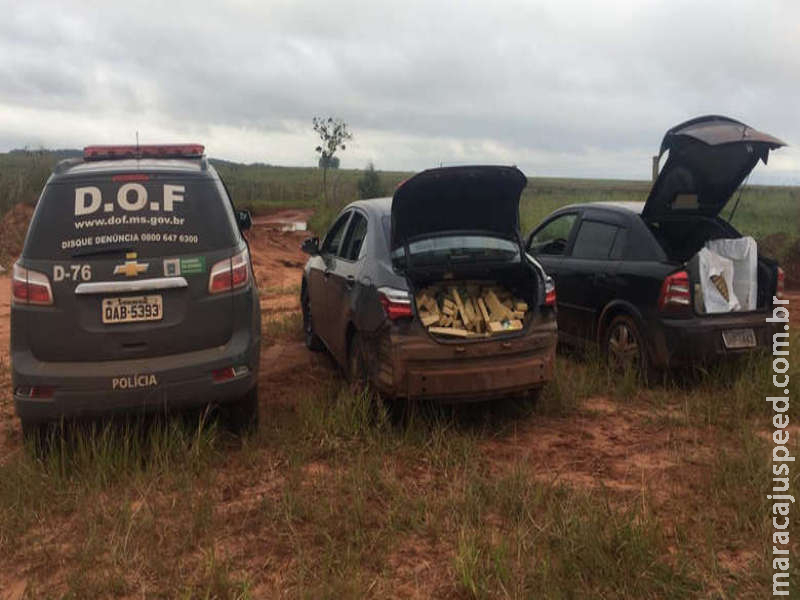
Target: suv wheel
242,414
625,348
312,339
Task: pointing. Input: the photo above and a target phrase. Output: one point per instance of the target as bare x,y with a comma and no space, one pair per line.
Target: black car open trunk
708,159
681,238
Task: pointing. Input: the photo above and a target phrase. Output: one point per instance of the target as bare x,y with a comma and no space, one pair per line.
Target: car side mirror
310,246
244,220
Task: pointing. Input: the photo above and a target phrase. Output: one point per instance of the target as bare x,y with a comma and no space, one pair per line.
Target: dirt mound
13,227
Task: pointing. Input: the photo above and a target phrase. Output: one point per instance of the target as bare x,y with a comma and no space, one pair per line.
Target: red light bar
151,151
130,177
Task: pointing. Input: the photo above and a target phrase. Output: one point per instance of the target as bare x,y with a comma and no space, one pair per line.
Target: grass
334,497
282,328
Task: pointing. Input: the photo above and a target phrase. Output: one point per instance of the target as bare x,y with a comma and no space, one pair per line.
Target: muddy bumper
415,366
48,391
682,342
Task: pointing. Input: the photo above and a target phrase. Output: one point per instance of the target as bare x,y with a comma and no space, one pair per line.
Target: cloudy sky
582,89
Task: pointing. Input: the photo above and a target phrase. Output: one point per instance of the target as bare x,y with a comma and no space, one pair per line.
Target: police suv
134,291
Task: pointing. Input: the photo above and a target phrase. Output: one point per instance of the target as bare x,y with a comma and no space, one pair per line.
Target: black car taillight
229,274
675,292
779,291
395,302
30,287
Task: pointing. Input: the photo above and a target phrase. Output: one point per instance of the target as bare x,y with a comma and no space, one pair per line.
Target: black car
454,227
628,274
134,290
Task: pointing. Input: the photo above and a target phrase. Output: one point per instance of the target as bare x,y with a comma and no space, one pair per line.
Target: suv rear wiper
99,251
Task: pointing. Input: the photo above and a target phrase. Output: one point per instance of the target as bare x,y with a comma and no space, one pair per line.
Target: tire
357,374
625,348
242,414
313,341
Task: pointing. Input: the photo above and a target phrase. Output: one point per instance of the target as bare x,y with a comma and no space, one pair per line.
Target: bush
370,185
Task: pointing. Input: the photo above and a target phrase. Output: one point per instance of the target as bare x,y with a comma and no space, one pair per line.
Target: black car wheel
313,342
625,348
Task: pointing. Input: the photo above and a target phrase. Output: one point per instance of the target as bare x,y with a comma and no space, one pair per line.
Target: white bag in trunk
716,274
744,254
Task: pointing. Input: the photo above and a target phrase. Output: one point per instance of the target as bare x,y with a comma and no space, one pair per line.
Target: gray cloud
580,88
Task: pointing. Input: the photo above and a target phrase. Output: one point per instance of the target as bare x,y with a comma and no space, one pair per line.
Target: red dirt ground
620,448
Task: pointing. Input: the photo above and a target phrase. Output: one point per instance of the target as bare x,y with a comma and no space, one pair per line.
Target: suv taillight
230,273
781,284
675,292
549,292
395,302
30,287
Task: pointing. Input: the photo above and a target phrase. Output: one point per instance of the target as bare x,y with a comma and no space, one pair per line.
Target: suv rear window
156,214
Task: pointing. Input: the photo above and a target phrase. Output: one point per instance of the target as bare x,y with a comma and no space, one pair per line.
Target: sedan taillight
395,302
30,287
549,292
674,292
779,291
230,273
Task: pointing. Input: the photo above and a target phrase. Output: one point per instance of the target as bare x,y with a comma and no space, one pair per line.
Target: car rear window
154,214
459,248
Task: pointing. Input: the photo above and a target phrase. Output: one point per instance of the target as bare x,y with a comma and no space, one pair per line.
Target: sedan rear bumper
420,367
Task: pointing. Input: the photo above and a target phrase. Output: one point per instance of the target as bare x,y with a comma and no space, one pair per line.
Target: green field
763,211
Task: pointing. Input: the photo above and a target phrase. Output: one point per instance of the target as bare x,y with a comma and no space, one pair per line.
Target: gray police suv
134,291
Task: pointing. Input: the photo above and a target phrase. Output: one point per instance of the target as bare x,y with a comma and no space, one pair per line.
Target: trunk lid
456,200
709,158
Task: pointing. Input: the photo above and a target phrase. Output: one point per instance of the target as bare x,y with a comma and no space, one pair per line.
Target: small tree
370,186
332,163
333,133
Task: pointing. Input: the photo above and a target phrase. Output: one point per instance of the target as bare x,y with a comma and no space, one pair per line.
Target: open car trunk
725,269
709,158
455,237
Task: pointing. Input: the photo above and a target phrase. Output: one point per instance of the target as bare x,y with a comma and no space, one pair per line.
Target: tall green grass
57,473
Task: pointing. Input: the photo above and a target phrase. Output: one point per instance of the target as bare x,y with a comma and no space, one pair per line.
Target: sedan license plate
739,338
132,309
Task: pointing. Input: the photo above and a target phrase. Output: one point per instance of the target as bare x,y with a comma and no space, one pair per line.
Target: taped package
470,310
716,277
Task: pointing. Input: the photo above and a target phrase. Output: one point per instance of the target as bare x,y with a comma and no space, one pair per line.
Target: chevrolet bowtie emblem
131,267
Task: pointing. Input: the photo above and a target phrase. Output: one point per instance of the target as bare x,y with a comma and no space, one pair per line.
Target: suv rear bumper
415,366
86,389
681,342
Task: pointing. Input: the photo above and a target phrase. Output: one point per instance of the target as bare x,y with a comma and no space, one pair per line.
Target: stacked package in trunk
469,310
